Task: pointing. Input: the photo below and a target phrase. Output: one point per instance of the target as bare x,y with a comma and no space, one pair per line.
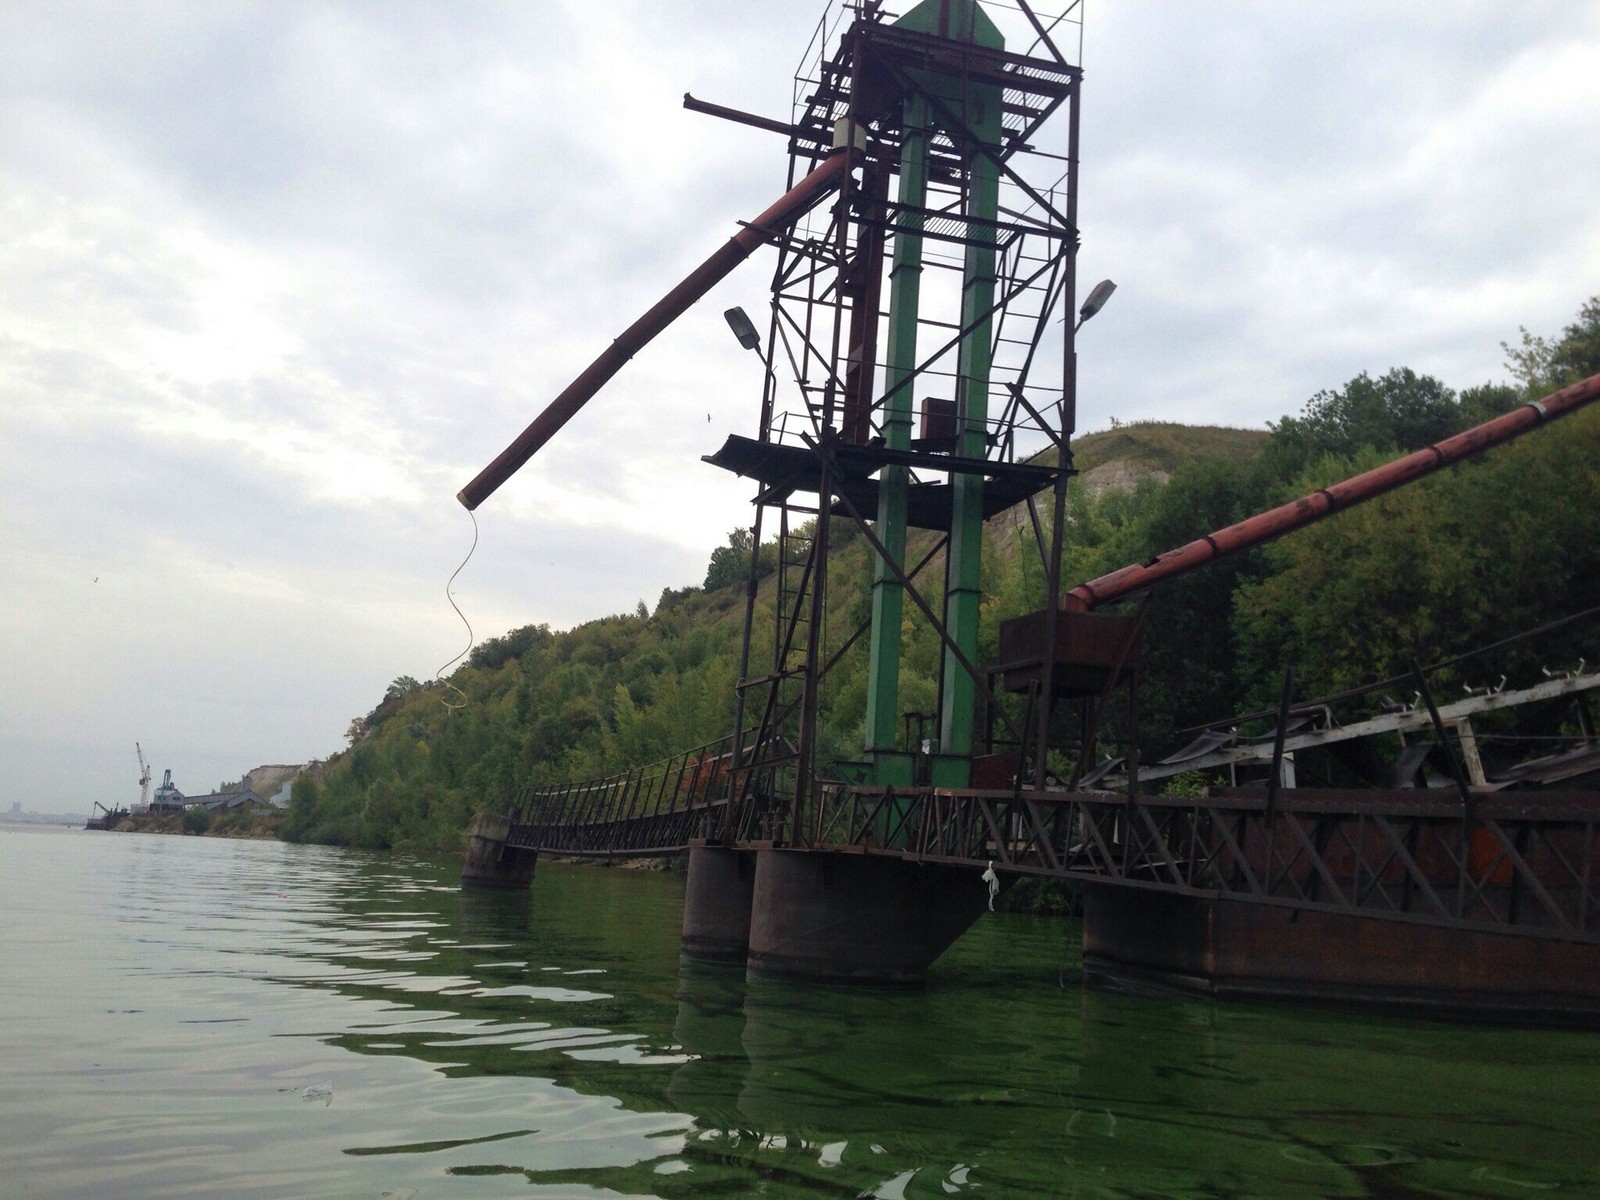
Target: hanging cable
449,583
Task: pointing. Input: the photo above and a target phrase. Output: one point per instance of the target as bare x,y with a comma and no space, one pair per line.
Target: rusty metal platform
784,469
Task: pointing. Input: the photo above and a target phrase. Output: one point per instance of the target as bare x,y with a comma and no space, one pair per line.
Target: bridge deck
1512,862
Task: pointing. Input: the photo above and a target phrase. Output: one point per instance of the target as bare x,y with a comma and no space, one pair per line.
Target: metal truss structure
923,322
1512,855
1520,865
889,309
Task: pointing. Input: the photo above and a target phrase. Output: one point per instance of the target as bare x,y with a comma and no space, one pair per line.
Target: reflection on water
193,1017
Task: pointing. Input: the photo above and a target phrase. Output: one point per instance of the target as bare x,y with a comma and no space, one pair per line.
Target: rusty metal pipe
742,118
1263,527
794,204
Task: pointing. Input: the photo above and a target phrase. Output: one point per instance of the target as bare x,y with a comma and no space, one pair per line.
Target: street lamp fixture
1095,302
743,329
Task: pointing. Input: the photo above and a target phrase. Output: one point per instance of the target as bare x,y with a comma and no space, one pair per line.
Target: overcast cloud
277,279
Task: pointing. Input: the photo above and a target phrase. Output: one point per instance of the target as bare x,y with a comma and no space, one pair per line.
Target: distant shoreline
47,820
252,823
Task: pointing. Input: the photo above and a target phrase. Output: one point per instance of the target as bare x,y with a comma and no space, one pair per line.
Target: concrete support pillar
854,918
716,903
490,862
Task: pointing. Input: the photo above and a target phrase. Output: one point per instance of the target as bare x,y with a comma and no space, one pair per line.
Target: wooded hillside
1458,560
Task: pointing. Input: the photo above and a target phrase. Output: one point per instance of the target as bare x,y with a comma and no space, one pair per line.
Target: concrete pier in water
717,903
490,861
852,918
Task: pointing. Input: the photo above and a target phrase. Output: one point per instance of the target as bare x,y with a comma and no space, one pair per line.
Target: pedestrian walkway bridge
1518,854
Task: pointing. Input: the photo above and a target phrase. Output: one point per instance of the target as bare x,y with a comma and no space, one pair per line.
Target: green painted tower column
890,764
963,579
976,107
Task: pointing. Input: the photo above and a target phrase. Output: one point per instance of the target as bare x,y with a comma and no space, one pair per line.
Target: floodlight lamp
1097,300
742,328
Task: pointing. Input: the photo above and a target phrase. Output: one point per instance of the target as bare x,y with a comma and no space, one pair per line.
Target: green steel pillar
891,765
963,581
978,108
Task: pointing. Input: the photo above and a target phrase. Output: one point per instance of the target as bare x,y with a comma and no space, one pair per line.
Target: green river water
200,1018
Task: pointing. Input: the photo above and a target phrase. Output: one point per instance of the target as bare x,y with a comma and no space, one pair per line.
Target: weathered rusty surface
1088,648
1263,527
1227,949
656,809
788,209
738,116
1520,864
1515,863
872,884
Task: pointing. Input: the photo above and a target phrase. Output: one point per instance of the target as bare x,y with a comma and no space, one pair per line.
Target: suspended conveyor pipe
793,205
1263,527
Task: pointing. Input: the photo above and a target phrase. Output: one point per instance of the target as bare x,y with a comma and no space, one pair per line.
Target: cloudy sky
277,279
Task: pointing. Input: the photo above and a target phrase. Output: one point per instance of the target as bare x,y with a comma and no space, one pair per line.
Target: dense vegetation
1455,561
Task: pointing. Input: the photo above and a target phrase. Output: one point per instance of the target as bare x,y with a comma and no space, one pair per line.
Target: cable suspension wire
471,638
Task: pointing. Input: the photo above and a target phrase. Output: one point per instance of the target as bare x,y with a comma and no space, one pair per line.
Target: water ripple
193,1017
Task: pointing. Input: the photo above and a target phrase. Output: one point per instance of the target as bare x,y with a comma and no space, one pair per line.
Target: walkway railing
653,809
1520,863
1481,856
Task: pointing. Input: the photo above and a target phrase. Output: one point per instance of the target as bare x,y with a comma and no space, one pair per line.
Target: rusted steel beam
1363,859
738,116
1264,527
794,204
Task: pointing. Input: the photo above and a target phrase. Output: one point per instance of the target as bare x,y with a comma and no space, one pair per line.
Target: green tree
1545,364
730,562
304,801
1400,410
495,652
1458,559
1577,355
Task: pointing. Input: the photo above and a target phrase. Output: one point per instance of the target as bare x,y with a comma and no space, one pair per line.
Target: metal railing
648,810
1508,862
1519,863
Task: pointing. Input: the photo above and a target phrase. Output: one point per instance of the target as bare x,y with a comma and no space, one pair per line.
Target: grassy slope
1162,447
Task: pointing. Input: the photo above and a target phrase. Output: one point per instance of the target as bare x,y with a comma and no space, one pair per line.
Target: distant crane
144,778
